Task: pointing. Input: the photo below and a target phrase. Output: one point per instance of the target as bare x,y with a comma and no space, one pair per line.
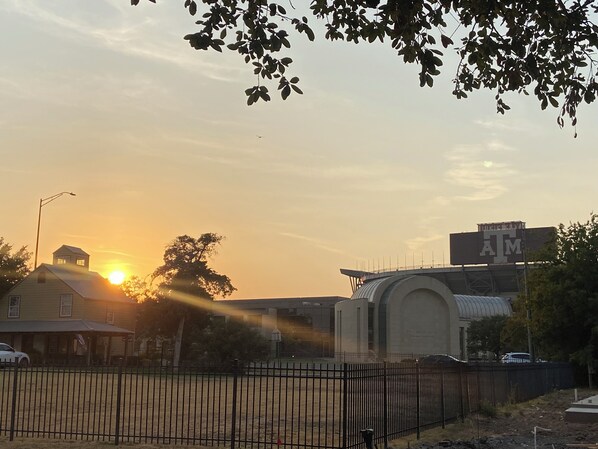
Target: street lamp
42,203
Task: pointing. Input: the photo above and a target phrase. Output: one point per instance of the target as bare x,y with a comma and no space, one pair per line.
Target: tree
545,47
564,295
138,289
186,285
484,335
222,342
14,265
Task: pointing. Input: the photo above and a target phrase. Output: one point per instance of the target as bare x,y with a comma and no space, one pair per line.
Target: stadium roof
477,280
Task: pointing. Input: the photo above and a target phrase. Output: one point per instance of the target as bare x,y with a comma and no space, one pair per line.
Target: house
65,313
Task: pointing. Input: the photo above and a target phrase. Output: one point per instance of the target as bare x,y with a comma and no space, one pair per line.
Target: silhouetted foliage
484,335
222,342
564,296
13,265
546,48
186,286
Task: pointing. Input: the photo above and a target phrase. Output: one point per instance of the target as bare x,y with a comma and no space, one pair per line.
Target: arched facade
404,316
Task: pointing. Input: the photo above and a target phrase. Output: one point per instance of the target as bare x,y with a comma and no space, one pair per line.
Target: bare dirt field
511,428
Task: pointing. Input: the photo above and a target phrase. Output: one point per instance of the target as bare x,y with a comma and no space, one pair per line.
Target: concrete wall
351,336
421,318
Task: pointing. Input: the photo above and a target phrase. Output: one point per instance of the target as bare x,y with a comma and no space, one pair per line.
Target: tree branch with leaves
545,48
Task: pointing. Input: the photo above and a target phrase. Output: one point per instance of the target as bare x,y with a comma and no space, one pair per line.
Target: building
411,312
405,316
297,327
65,313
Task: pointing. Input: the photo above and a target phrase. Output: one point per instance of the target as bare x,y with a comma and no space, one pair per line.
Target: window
66,305
14,306
81,262
41,277
61,260
110,317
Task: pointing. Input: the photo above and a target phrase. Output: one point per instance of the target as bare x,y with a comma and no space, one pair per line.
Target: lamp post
42,203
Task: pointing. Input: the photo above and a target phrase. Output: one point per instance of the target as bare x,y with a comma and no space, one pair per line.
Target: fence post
417,399
233,426
479,389
442,407
345,404
462,408
13,411
118,404
385,377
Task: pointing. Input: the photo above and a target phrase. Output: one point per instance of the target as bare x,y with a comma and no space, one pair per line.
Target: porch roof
61,326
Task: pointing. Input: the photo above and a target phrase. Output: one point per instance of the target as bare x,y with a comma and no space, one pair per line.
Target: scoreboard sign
498,243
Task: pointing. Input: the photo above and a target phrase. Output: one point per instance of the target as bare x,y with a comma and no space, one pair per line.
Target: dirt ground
511,428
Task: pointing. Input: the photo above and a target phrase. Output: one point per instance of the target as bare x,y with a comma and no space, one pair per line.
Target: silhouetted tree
484,335
186,284
13,265
222,342
564,296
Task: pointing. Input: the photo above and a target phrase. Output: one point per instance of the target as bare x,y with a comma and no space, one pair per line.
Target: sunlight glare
117,277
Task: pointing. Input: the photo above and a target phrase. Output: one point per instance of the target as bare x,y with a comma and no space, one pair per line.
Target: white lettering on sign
506,244
502,226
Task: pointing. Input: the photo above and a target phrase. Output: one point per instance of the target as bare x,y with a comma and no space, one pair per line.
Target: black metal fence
294,405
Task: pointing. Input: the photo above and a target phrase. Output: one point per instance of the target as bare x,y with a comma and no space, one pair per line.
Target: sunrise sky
366,168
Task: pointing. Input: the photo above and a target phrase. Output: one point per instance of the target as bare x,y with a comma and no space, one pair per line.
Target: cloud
418,242
125,31
498,125
478,169
316,243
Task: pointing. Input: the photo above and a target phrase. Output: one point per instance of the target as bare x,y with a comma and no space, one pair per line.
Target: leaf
286,91
446,41
294,80
192,8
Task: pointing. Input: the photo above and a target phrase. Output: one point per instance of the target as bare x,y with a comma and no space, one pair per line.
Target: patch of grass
488,410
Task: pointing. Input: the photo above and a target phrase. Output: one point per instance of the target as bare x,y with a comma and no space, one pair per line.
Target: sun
117,277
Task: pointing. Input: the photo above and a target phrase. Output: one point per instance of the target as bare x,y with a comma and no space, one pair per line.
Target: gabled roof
72,249
88,284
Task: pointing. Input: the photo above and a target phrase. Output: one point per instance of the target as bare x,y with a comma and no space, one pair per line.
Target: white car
9,355
516,357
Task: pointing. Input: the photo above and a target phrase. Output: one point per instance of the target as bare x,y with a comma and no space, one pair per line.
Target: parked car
440,359
9,355
516,357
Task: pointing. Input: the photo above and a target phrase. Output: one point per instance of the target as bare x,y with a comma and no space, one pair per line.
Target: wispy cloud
317,243
113,252
498,125
479,169
145,37
418,242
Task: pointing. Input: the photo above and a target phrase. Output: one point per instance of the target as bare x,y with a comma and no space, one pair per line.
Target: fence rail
294,405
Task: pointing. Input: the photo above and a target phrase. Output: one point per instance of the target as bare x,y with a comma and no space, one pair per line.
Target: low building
297,327
63,312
